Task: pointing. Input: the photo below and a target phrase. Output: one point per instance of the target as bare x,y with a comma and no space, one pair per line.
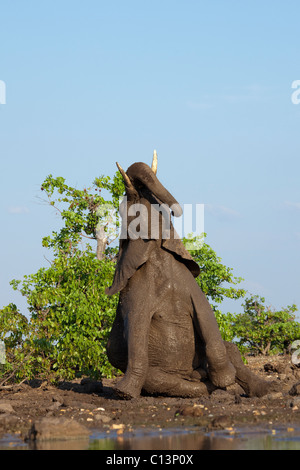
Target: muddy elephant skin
165,337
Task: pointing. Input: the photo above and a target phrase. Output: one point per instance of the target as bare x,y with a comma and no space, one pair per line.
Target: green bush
216,281
262,330
70,315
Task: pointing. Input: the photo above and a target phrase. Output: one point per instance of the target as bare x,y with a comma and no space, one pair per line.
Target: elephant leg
136,305
130,385
167,384
116,348
220,369
253,385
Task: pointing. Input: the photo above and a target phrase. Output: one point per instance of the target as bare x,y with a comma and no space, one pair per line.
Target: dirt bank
93,405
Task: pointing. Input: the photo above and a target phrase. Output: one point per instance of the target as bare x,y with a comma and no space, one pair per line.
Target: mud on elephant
165,337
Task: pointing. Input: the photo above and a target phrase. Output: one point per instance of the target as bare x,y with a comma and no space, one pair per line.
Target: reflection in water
259,438
238,439
165,440
72,444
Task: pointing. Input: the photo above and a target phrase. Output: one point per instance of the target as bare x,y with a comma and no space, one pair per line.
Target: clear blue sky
207,84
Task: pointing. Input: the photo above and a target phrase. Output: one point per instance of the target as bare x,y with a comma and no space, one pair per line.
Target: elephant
165,337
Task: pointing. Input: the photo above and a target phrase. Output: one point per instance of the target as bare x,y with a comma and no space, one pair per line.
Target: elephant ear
132,255
174,245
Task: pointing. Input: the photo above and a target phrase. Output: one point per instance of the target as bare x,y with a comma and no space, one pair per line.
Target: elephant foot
223,375
126,389
163,383
256,387
253,385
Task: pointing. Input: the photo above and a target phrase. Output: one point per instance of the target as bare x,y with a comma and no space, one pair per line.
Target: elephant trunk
140,173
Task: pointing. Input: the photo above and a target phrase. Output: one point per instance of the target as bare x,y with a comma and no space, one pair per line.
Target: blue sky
207,84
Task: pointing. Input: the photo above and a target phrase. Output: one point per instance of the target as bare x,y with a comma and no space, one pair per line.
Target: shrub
262,330
70,315
216,281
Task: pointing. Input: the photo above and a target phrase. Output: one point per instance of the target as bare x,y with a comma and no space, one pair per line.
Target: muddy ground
26,408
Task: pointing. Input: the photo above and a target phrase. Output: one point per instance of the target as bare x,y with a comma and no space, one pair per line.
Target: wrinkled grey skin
165,337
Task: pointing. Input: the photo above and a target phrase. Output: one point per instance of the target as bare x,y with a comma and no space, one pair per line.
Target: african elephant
165,337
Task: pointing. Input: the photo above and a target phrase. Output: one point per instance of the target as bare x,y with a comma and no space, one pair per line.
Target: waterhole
255,438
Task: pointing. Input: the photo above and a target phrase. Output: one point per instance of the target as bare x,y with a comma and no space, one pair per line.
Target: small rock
103,418
56,429
191,411
295,390
294,402
269,368
222,422
5,407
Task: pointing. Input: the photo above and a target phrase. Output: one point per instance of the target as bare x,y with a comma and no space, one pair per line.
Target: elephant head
146,197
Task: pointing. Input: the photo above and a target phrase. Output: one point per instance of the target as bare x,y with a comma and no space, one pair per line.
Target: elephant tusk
126,178
154,163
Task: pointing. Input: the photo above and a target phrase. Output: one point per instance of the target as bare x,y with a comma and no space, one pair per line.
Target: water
254,438
233,439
